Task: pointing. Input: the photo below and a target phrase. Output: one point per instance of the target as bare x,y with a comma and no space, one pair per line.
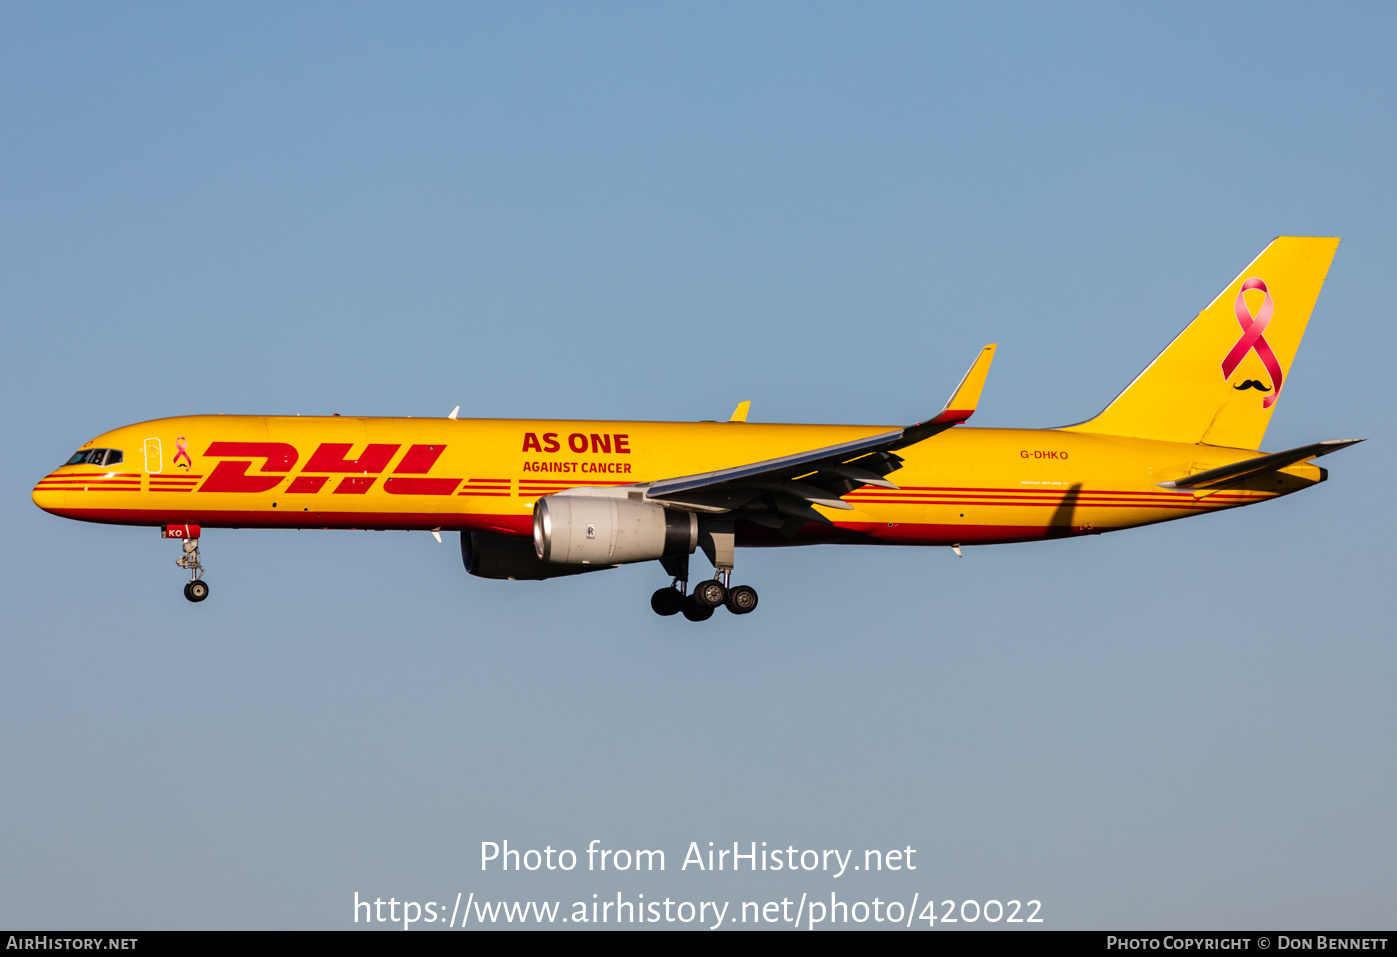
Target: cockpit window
96,457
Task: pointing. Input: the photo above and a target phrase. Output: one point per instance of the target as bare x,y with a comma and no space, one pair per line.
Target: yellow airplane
536,499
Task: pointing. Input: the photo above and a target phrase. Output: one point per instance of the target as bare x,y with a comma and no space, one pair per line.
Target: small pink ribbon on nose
182,453
1253,339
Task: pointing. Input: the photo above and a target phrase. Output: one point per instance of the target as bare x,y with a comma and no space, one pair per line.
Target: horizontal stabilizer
1262,463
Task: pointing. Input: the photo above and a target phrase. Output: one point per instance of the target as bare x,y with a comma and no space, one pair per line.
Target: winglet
967,395
739,414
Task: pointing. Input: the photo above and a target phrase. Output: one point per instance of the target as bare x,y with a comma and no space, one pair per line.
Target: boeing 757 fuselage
535,499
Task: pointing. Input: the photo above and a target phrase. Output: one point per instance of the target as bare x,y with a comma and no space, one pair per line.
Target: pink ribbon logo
182,453
1253,339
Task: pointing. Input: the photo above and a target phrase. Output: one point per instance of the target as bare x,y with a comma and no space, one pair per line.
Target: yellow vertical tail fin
1218,381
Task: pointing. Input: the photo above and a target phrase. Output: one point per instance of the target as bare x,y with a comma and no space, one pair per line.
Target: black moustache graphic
1253,384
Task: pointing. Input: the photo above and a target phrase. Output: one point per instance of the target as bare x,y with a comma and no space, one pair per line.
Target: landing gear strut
196,589
675,598
707,596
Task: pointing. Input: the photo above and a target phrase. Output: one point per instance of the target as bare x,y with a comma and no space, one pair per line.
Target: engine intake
585,529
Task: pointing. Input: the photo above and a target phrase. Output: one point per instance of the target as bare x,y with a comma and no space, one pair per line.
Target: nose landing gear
196,589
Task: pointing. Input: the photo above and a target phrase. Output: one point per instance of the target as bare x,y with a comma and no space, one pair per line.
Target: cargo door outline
152,449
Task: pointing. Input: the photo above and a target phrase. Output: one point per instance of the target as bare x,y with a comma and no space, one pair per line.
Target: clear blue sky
655,211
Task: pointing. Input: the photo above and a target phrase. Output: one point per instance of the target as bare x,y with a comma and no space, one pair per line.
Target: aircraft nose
48,494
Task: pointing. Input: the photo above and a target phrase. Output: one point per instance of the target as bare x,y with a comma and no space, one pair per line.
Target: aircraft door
154,458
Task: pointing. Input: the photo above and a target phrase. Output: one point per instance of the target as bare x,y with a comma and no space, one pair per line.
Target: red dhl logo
328,460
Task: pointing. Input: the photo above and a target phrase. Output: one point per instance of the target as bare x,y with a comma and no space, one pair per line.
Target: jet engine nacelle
603,529
501,557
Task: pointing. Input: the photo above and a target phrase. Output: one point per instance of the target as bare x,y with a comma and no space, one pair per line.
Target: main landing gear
706,597
196,589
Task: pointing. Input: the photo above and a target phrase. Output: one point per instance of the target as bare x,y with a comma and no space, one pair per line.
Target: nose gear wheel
196,589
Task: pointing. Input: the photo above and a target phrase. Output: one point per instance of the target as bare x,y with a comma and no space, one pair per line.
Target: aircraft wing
779,492
1262,463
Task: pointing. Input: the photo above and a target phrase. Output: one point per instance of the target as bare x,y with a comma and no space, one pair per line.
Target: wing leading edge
778,493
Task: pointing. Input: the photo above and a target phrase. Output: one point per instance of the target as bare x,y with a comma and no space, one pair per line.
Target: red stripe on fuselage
900,533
